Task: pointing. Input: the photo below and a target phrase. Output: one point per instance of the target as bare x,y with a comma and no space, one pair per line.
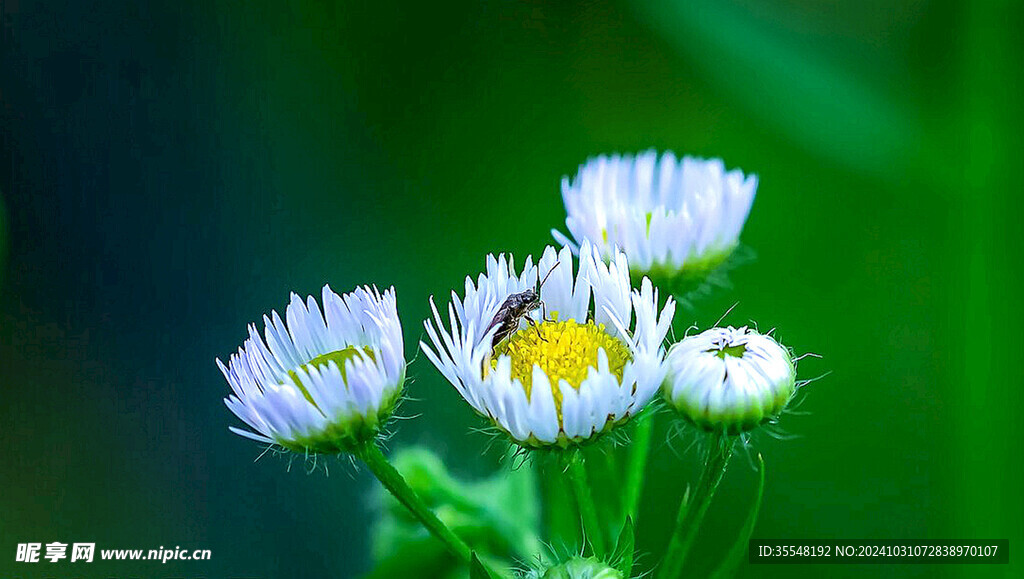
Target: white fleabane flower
676,220
729,379
564,380
324,382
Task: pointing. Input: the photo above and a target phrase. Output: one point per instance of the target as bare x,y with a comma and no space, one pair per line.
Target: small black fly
515,308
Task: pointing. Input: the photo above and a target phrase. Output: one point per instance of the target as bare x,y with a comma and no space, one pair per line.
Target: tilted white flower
566,380
671,217
729,379
322,382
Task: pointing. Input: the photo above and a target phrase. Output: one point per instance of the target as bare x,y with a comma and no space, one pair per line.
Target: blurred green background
172,170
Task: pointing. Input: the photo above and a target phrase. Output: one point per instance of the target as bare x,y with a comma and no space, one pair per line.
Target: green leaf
477,569
497,516
739,549
622,555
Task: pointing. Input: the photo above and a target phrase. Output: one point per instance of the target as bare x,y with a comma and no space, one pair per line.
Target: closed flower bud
580,568
729,379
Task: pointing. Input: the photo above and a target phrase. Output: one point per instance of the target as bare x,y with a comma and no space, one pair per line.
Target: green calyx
583,568
686,280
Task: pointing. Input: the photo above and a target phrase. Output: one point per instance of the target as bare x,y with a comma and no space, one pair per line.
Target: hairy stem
588,510
560,512
635,469
691,512
396,485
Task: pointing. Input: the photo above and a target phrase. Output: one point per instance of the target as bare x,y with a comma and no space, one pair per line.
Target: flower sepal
701,277
580,568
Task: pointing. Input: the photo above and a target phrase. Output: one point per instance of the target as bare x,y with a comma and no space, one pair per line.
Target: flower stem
638,452
396,485
560,512
585,500
691,512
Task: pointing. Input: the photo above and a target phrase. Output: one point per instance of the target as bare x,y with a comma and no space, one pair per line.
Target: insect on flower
593,370
515,308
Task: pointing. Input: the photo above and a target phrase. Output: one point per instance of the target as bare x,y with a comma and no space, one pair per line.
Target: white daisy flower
674,219
564,380
322,382
729,379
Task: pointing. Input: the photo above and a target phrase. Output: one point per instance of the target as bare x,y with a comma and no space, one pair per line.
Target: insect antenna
548,274
543,308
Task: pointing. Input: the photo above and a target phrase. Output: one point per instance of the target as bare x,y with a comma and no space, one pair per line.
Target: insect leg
533,323
499,336
544,312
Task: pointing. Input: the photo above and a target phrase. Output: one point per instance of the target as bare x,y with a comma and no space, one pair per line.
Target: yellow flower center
564,351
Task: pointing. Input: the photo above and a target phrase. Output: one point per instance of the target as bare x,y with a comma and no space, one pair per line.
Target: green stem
638,452
396,485
560,511
585,500
691,512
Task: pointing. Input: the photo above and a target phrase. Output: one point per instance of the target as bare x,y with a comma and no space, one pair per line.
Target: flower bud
729,379
580,568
